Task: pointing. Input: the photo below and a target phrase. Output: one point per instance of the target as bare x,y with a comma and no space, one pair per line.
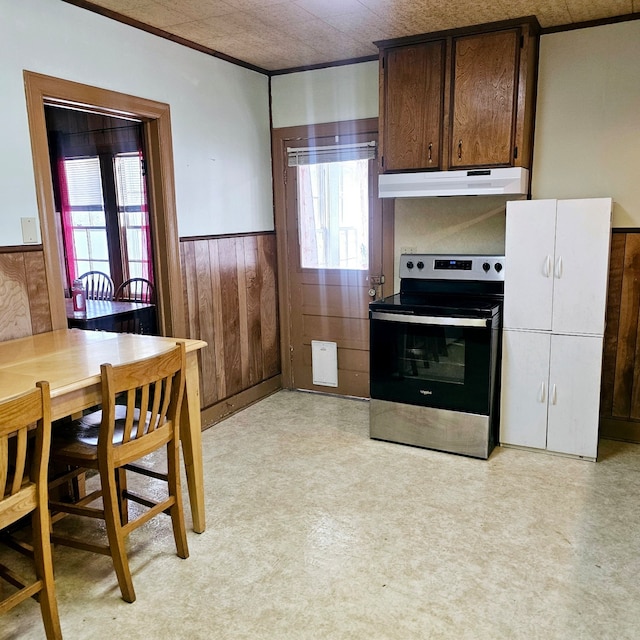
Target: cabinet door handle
543,393
559,268
460,150
430,150
547,267
554,395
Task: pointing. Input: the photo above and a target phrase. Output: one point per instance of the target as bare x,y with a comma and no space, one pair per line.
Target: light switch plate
29,230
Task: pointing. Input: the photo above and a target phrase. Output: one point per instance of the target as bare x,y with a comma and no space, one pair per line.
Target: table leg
191,437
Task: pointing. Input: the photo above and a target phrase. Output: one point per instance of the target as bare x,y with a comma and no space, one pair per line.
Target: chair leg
176,511
44,571
116,538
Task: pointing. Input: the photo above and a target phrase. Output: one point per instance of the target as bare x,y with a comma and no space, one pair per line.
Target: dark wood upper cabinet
413,106
459,99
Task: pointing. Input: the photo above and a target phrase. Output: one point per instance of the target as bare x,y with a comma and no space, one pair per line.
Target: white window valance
298,156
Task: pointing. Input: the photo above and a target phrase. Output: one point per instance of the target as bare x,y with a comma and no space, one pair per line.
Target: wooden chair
97,285
23,491
136,290
111,441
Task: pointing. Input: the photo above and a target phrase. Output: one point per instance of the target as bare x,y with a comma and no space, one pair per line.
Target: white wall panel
219,112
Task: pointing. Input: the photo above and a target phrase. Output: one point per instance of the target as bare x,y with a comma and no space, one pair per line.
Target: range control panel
429,266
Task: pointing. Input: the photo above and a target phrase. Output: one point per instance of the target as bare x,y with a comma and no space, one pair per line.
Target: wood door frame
155,116
279,139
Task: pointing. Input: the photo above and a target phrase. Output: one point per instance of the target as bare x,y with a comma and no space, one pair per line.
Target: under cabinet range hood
471,182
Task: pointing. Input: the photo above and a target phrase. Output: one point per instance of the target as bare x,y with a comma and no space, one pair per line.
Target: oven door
432,361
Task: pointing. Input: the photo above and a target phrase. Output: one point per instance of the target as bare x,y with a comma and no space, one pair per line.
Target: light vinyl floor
314,531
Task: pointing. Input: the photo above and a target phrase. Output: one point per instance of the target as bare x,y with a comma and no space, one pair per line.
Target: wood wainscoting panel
25,308
231,303
620,390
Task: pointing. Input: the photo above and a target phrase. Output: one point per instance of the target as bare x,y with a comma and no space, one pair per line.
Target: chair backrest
97,285
152,389
136,290
23,461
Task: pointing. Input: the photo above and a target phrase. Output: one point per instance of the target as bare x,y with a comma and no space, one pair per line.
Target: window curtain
67,222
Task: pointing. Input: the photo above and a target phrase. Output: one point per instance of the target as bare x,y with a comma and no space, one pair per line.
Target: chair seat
78,439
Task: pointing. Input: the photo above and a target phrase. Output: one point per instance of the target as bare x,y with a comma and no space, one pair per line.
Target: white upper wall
219,113
587,138
348,92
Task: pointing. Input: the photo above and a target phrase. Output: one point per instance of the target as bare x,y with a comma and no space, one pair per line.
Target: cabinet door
583,235
574,395
529,259
413,112
525,375
485,72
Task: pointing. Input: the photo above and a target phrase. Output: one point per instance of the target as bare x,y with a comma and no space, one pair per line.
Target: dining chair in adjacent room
24,456
97,285
140,413
136,290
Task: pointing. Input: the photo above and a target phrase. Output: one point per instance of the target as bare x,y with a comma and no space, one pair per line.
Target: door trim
156,121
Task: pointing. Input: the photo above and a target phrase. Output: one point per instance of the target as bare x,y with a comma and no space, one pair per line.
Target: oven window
436,355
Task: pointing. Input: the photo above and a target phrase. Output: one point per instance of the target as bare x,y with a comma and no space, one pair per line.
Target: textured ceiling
281,34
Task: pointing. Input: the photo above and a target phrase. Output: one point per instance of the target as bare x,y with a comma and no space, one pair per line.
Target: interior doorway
154,117
98,167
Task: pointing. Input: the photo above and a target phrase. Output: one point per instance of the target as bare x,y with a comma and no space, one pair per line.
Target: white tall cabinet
557,259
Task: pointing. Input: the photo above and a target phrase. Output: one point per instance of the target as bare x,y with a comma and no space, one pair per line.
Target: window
333,204
85,223
84,219
333,210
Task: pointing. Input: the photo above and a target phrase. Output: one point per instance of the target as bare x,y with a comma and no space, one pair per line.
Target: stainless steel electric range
435,354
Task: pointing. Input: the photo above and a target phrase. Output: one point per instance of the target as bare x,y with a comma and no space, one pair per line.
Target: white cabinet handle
547,267
559,268
543,393
554,395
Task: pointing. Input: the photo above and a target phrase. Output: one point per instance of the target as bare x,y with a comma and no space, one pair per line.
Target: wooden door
525,377
485,73
412,106
328,304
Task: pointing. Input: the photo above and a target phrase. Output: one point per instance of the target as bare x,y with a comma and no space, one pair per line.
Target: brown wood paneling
205,315
616,268
25,308
231,302
267,264
627,329
39,306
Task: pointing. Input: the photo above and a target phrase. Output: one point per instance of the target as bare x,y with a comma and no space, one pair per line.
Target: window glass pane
86,217
133,214
333,215
81,244
98,244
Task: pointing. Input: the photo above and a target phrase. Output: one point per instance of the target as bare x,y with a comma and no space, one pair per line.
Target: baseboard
228,406
620,429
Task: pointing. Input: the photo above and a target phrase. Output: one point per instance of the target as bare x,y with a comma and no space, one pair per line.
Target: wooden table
112,315
70,359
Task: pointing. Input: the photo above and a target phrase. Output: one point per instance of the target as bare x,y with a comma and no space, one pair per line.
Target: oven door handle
435,320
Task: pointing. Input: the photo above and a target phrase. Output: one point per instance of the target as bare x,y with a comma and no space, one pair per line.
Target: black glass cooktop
439,305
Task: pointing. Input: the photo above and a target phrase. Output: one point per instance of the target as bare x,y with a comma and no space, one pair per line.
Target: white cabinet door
525,376
574,394
529,259
583,235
